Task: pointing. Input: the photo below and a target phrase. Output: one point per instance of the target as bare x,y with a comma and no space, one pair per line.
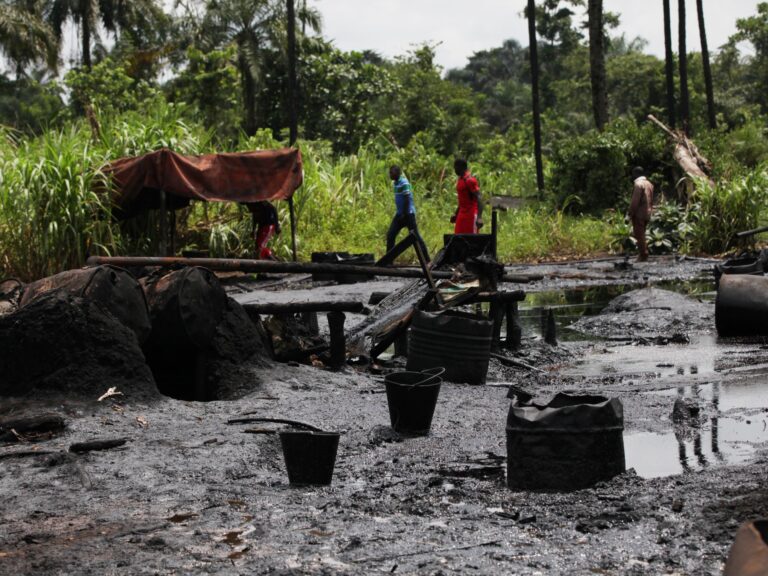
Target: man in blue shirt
405,214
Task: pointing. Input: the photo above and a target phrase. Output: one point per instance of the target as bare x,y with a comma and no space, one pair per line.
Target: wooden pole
304,307
338,339
163,225
514,329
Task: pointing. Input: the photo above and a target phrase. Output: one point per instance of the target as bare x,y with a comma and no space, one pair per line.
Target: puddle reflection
571,305
716,440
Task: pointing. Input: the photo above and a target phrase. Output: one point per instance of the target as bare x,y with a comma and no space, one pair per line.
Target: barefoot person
640,208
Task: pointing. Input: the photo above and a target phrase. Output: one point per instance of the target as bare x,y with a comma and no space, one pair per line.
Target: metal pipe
246,265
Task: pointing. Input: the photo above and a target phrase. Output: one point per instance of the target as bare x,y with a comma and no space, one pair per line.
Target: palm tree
114,15
707,68
683,59
669,60
534,56
24,37
597,63
253,25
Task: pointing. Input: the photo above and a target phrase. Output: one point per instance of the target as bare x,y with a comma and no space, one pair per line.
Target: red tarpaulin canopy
238,177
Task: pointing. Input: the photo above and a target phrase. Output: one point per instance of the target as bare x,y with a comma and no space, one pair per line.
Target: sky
392,27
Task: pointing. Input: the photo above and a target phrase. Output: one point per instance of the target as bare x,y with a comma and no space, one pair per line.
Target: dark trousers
399,222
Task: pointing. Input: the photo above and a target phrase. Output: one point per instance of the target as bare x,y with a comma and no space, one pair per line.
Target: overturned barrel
185,307
456,341
741,305
112,287
568,444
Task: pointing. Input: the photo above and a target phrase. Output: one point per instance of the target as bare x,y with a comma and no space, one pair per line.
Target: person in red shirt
265,225
468,216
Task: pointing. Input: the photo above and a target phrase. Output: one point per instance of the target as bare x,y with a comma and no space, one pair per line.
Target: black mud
191,494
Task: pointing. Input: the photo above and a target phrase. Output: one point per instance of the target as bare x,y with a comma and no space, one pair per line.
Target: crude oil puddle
734,417
570,305
703,356
725,435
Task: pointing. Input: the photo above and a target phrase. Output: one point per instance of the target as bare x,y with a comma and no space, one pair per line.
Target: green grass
51,216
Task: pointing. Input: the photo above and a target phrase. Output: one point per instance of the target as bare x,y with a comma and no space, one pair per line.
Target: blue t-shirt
404,197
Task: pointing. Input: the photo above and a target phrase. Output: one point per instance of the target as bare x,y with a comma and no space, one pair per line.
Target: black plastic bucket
309,456
570,443
412,397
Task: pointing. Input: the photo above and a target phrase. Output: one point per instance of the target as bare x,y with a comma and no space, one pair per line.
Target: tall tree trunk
669,60
86,36
292,117
597,64
534,55
292,113
685,112
249,93
707,68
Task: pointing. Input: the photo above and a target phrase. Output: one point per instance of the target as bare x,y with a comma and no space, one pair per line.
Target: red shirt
465,185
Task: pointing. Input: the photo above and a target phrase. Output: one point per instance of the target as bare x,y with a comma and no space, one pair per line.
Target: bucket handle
434,372
430,375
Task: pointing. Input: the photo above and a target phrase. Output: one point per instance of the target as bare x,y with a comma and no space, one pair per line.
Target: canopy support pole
163,225
173,232
293,228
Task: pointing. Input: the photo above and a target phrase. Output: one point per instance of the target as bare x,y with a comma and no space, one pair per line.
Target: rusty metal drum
741,305
112,287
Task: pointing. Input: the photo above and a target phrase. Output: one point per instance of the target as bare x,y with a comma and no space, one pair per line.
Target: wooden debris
90,446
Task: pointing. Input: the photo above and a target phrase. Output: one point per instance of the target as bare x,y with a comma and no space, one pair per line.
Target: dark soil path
190,494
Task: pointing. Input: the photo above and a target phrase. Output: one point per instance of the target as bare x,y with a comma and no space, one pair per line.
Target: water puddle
571,305
734,418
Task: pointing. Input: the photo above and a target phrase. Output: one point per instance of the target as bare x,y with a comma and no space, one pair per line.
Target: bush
596,166
592,167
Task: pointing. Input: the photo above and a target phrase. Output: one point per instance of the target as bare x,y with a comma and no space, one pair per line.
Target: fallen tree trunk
686,154
90,446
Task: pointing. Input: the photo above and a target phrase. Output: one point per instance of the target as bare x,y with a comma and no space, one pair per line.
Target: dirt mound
71,345
235,351
649,313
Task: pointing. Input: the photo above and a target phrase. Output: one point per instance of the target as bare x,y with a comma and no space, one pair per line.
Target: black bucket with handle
310,456
412,397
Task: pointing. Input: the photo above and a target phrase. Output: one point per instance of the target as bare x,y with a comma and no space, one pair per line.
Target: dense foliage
212,76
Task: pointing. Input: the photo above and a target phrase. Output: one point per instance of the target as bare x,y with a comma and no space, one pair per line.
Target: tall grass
719,212
51,216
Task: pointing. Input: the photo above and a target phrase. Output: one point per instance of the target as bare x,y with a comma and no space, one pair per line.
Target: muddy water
572,304
734,418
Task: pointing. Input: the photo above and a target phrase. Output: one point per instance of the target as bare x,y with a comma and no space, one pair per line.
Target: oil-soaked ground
190,494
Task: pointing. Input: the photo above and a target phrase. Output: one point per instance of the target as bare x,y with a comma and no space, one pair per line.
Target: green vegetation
211,77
